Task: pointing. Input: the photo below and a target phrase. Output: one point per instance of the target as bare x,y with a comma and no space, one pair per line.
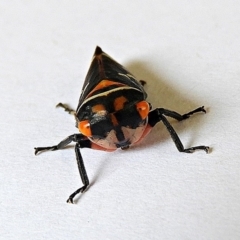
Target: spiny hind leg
66,108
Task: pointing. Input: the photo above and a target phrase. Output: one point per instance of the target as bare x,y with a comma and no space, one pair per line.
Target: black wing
104,67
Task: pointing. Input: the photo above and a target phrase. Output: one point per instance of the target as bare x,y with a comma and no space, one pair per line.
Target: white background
189,54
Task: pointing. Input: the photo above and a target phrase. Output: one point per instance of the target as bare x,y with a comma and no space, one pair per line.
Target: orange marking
114,119
119,103
104,84
143,109
84,128
98,108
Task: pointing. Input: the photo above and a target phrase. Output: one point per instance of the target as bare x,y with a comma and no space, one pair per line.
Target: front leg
157,115
82,142
72,138
82,172
177,116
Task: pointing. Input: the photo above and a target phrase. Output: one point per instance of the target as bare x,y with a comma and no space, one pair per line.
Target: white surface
189,53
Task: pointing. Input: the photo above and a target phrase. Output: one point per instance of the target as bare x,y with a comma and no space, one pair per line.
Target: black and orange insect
113,113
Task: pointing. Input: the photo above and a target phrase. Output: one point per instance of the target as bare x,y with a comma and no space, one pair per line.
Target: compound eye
143,109
84,128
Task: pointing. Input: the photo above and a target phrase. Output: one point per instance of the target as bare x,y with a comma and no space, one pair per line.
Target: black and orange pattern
113,113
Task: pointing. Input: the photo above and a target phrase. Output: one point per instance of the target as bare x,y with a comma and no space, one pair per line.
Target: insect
113,113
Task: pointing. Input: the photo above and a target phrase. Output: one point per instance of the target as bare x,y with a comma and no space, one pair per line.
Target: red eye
84,128
143,109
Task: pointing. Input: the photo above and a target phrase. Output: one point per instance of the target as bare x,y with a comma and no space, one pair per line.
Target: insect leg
178,116
158,115
66,108
83,174
143,83
82,142
62,144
